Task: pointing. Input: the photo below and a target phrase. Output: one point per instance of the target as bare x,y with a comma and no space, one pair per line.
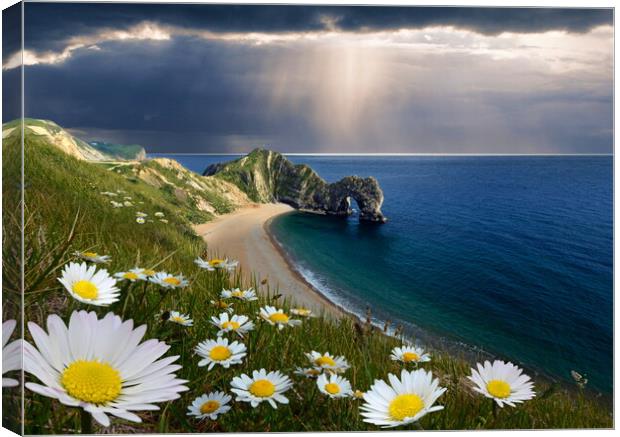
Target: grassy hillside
65,212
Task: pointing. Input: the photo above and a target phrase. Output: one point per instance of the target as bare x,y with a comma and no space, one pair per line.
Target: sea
509,255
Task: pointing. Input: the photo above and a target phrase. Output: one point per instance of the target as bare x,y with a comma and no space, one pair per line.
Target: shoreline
244,235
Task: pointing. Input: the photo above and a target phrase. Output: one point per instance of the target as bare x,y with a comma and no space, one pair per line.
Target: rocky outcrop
267,176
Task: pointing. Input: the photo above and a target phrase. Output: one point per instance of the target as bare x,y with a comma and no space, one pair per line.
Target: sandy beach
242,235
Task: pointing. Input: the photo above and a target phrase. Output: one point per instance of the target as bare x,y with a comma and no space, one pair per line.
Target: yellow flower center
325,361
90,254
209,407
178,319
86,289
332,388
303,312
237,293
232,324
403,406
220,353
91,381
149,272
498,389
358,394
263,388
410,356
312,372
130,275
221,304
172,280
216,262
278,318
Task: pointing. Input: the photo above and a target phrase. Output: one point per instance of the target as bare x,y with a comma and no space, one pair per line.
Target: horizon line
388,154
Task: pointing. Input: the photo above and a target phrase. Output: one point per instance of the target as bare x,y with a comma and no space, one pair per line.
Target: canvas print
267,218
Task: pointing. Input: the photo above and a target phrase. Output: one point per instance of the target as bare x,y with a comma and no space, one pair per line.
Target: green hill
120,151
68,207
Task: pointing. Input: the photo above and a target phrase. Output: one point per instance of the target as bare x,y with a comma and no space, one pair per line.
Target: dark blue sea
512,255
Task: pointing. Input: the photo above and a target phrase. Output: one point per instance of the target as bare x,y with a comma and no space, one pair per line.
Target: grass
66,212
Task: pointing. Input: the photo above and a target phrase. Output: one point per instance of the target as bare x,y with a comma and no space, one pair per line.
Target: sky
317,79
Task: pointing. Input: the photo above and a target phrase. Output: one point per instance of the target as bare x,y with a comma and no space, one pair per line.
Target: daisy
146,272
502,382
141,214
127,203
159,214
93,257
308,372
181,319
239,324
116,204
328,362
220,304
262,386
302,312
404,401
220,352
11,353
163,220
247,295
216,263
410,354
140,220
277,317
132,275
334,387
99,365
169,281
88,285
209,405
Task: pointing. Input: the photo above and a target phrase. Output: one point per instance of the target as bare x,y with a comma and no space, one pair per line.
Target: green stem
86,423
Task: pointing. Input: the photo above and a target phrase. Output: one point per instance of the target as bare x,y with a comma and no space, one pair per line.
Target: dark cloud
192,95
50,25
11,80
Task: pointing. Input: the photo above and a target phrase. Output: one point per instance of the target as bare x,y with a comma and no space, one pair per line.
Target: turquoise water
512,255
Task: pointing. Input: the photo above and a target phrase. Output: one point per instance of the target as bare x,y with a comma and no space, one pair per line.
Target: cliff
267,176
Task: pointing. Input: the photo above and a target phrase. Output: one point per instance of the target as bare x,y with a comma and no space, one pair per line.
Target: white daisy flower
409,354
140,220
247,295
262,386
236,323
163,220
11,353
209,405
308,372
503,382
88,285
127,197
116,204
277,317
220,352
181,319
93,257
127,203
108,193
328,362
335,386
99,365
132,275
141,214
404,401
146,272
220,304
302,312
167,280
159,214
216,263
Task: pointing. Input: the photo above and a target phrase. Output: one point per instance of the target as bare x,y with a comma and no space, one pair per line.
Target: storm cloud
324,79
